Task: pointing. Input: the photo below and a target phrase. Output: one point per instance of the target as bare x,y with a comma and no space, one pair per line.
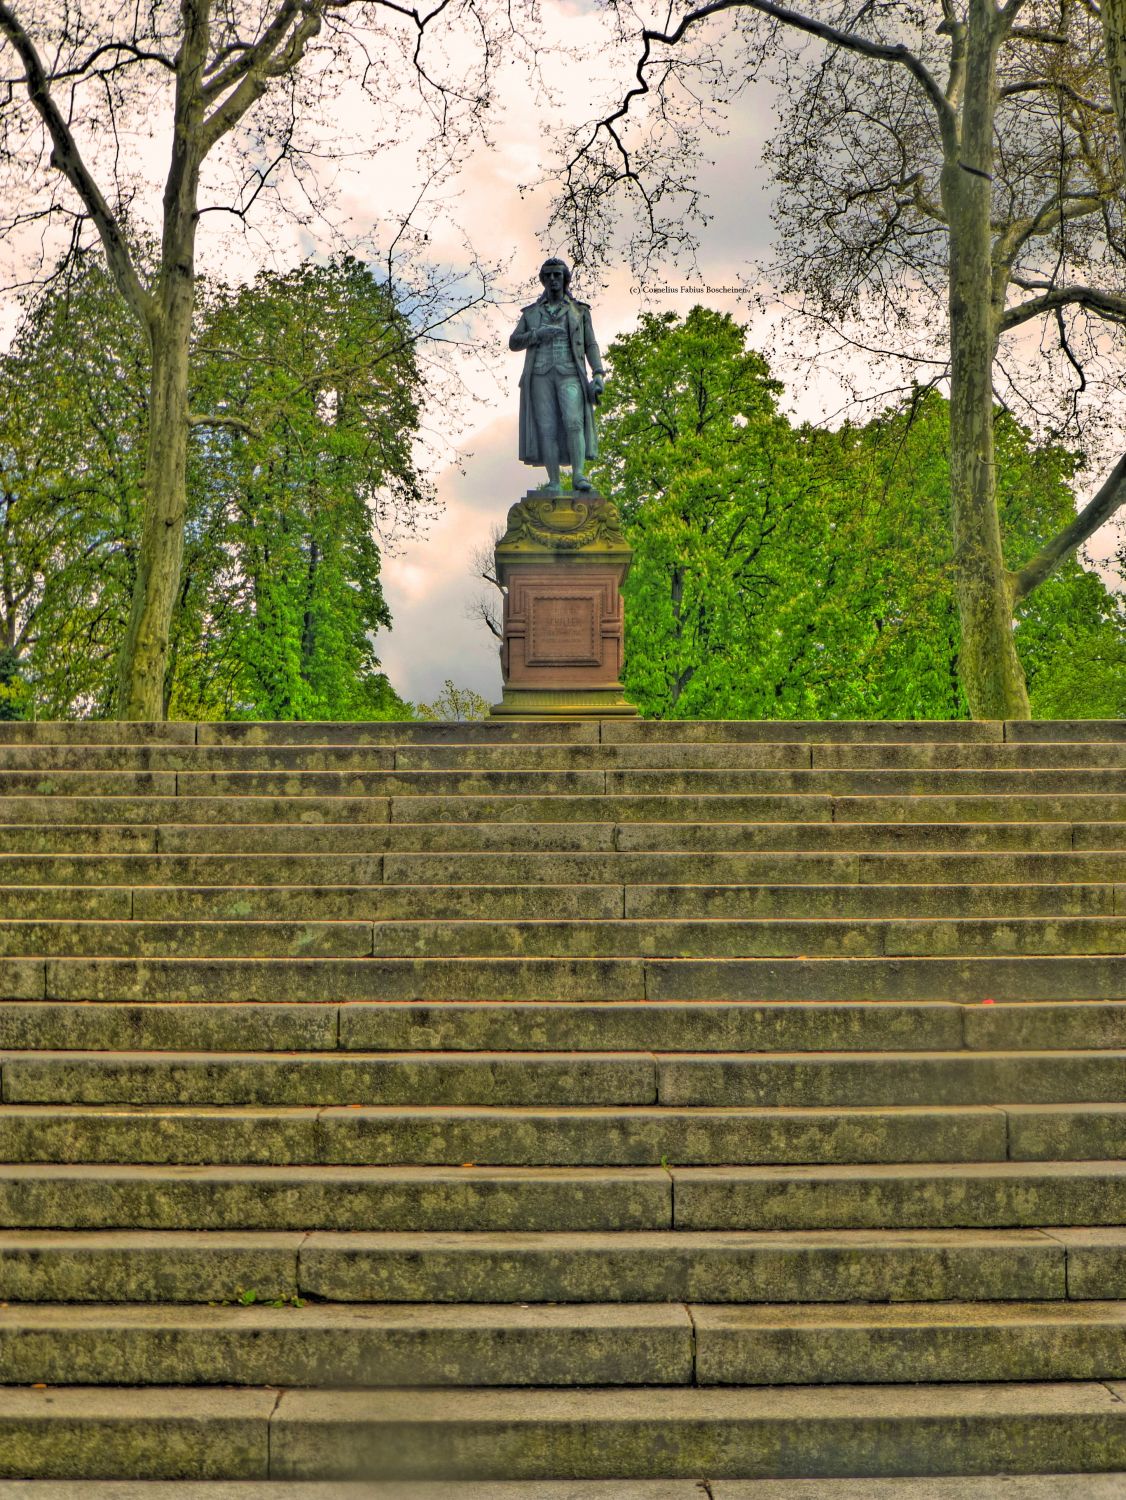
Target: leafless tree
234,89
485,609
951,174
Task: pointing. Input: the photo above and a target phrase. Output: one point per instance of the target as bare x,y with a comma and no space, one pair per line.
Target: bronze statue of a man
556,399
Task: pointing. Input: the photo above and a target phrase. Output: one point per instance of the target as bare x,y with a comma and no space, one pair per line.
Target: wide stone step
1016,1487
451,1135
462,781
333,901
450,1489
591,1344
748,1267
1012,978
578,1345
554,837
625,938
718,937
544,901
543,757
444,1199
397,1026
716,1025
529,1434
687,810
1097,869
673,1080
881,731
845,1266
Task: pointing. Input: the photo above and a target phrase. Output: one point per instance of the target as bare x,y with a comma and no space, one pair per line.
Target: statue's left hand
595,389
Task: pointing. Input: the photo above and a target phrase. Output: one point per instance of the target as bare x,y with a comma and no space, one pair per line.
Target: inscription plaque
563,631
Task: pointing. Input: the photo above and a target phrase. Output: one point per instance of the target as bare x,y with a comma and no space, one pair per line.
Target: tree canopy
785,572
288,501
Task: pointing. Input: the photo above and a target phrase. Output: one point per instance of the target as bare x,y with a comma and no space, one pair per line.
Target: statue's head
552,267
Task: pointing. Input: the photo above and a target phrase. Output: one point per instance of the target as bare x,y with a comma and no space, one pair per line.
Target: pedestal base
561,563
548,703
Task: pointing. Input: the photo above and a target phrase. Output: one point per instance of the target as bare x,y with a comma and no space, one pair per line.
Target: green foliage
453,705
72,411
14,696
783,574
312,377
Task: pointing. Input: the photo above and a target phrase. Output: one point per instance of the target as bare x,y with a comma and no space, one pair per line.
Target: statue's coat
584,349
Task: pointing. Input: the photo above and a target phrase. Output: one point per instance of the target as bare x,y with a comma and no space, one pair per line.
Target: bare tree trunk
144,651
1114,41
141,666
991,671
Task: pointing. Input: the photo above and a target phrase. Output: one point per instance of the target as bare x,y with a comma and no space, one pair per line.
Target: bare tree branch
1108,305
1109,499
66,156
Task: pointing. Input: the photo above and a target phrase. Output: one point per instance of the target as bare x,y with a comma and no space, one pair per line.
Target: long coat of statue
583,348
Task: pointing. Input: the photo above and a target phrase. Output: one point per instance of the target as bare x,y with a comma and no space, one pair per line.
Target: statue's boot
551,464
578,460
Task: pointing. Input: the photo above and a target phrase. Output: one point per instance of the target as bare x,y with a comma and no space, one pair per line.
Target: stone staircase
474,1110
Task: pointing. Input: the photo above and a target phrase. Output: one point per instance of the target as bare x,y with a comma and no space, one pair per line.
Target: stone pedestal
561,562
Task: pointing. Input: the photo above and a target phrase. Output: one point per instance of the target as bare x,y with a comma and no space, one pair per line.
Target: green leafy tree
454,705
308,467
315,375
704,470
810,574
72,394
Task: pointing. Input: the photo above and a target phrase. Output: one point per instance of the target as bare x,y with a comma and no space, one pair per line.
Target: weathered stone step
1013,978
320,1078
881,731
687,810
552,837
529,1434
970,1195
404,1026
544,901
748,1266
435,1199
251,939
716,1025
451,1135
443,1199
872,1078
674,1080
754,938
996,807
940,1265
610,867
686,867
67,869
89,1025
587,1344
954,1341
1007,1486
490,1489
622,938
1014,1487
542,757
461,781
576,1345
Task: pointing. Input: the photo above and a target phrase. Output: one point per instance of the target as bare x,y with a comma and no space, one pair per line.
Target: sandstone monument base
561,563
